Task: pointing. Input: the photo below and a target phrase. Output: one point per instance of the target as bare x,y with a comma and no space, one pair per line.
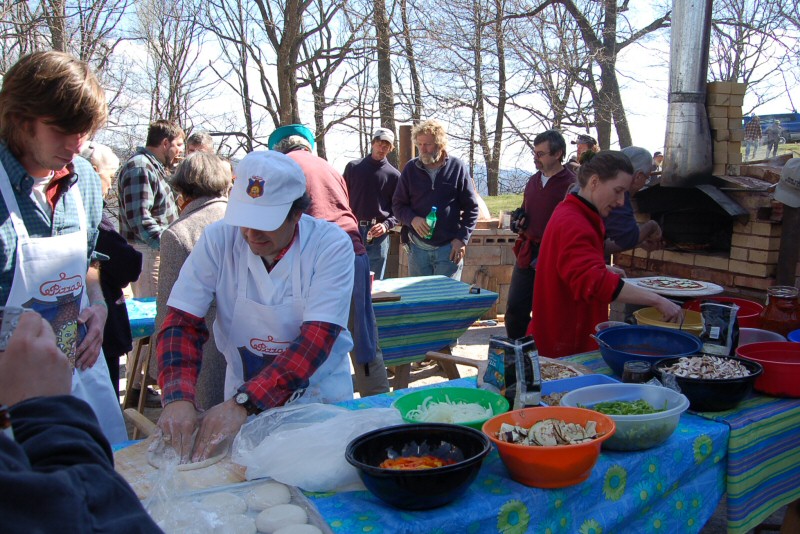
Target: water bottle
431,220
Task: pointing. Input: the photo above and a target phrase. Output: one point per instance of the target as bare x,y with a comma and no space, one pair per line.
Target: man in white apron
51,206
282,282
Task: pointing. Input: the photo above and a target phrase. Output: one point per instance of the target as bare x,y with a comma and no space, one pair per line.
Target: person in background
371,182
658,161
282,282
583,143
202,180
123,266
773,137
329,202
147,203
544,191
752,136
574,286
52,203
199,142
435,179
622,230
56,467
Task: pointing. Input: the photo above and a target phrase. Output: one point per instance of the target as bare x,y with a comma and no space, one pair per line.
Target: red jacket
573,288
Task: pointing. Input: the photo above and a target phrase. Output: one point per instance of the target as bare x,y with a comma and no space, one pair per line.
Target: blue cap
290,129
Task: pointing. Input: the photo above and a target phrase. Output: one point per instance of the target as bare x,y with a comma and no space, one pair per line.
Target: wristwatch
243,400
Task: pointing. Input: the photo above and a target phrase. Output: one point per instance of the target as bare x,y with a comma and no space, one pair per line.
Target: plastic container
782,312
692,320
565,385
748,314
634,432
756,335
419,489
647,343
487,399
608,324
549,467
431,220
713,395
794,336
781,363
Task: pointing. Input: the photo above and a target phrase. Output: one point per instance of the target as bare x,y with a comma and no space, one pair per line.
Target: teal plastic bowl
487,399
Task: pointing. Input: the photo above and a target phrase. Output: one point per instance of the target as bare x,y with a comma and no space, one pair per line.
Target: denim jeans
378,251
748,144
426,262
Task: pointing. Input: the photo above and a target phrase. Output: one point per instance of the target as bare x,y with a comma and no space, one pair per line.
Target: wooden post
405,146
789,248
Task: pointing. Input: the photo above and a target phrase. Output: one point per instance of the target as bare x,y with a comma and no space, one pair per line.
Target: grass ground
504,203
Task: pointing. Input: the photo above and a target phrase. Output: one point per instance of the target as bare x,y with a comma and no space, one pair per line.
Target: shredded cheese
431,411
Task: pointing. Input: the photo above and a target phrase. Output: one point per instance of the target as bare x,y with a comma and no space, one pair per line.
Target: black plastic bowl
646,343
419,489
710,395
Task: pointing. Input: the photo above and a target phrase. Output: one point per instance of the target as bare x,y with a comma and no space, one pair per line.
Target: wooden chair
141,367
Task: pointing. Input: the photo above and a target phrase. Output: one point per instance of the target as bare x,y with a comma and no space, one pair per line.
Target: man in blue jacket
435,179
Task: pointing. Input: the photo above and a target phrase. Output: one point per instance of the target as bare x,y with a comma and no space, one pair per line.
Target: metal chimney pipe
687,158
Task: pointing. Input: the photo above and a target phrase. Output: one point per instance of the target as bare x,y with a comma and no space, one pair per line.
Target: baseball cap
384,134
267,184
788,190
584,140
290,129
657,153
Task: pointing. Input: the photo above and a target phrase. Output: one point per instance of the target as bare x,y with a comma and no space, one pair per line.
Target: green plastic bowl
487,399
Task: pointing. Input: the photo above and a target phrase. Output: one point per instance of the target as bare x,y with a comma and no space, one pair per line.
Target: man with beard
435,179
544,191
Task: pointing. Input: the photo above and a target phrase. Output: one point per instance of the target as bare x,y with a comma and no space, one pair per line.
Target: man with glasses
544,191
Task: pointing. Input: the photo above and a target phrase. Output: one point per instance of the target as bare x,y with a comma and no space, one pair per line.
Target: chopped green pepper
638,407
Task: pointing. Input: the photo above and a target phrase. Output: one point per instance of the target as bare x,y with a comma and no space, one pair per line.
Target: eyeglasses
541,154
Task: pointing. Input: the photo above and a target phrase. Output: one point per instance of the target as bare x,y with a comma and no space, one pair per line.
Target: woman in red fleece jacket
574,286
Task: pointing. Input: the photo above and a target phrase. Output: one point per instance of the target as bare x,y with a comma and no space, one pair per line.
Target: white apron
261,332
50,278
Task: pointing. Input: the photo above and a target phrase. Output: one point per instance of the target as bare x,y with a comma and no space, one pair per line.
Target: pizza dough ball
298,529
280,516
237,524
223,504
267,495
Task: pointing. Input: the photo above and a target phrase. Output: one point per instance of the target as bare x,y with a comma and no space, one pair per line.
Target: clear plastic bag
304,445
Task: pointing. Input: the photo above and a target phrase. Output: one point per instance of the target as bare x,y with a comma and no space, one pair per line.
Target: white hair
100,156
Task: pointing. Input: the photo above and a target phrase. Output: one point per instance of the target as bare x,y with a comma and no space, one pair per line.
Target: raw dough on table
223,504
280,516
267,495
298,529
158,462
237,524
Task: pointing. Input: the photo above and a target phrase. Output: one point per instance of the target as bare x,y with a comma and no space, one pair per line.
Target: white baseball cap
384,134
267,184
788,190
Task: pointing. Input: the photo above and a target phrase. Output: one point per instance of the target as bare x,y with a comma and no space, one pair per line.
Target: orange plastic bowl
549,467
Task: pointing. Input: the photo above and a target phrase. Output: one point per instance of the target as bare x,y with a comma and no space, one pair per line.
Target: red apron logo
62,286
255,186
269,345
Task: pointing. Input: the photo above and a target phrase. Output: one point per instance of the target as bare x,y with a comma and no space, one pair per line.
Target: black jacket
58,475
123,267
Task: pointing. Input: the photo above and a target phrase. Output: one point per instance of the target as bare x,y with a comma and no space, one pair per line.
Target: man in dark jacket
56,467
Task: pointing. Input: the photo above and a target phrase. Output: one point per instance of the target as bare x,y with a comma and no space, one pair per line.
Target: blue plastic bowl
794,335
647,343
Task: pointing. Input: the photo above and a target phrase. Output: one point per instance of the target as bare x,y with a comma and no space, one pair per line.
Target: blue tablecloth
432,312
142,316
763,468
671,488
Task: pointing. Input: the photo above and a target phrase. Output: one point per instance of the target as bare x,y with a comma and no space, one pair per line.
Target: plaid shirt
753,129
37,221
179,348
147,203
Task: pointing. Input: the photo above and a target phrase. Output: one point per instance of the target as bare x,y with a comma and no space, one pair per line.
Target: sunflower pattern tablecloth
671,488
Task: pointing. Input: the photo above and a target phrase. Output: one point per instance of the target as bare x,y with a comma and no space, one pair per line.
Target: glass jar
636,372
782,312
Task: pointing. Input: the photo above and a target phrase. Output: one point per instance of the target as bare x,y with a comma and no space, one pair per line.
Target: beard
431,159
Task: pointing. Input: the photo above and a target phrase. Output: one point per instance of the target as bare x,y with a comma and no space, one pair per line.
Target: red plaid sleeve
179,348
291,371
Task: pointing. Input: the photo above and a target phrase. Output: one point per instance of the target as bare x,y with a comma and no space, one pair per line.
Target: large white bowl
634,432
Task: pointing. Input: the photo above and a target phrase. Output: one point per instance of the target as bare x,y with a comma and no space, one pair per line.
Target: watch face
241,398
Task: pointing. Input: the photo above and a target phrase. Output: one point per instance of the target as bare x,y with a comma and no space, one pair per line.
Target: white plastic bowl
634,432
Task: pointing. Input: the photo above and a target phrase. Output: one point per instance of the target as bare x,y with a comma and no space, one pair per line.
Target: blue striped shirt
37,221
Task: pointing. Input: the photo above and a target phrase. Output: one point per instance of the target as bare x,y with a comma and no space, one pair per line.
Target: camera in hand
519,222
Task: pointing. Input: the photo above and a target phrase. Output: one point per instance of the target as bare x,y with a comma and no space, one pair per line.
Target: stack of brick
724,105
